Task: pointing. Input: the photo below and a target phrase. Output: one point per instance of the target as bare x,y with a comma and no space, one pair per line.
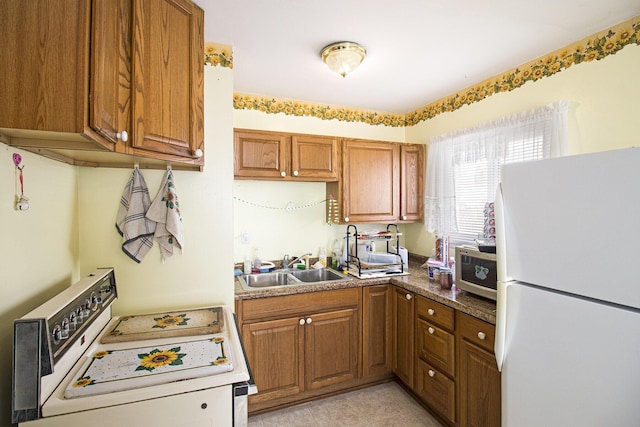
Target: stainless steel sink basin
291,278
267,280
320,275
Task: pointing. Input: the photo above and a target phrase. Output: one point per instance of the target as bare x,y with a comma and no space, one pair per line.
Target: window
463,168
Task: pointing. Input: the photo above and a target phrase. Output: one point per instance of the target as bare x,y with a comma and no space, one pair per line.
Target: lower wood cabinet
478,376
376,330
435,356
403,334
301,343
303,346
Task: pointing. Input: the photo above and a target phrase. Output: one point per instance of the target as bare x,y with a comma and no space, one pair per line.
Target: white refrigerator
568,304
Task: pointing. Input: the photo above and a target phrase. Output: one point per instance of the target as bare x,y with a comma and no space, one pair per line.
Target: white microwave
476,272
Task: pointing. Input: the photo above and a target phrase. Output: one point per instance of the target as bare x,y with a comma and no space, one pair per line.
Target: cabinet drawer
476,331
436,389
435,346
435,312
299,304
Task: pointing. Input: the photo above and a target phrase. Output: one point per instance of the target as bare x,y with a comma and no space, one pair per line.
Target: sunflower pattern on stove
157,358
170,320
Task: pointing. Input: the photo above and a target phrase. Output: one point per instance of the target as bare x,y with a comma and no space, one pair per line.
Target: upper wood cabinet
382,182
167,103
285,156
123,76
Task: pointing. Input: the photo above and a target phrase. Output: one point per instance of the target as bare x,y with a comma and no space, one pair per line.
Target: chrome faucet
295,260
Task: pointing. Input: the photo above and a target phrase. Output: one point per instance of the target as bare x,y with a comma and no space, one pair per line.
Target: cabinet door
275,352
403,335
45,51
411,182
371,187
437,390
260,155
436,346
315,157
376,330
479,379
110,83
331,348
168,78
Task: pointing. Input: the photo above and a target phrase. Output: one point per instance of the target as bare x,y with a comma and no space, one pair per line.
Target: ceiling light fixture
343,57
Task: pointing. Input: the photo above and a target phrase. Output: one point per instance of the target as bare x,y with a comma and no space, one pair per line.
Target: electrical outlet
244,237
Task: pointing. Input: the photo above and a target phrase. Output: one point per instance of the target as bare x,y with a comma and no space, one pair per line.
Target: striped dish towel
165,210
132,224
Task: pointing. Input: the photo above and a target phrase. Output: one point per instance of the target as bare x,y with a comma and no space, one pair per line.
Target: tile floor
385,405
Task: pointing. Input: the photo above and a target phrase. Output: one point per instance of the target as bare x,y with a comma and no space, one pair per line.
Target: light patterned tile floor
385,405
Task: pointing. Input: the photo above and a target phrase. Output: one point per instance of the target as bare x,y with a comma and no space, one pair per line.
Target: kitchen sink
265,280
319,275
290,278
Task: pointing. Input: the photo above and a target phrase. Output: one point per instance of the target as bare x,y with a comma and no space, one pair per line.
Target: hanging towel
165,210
136,230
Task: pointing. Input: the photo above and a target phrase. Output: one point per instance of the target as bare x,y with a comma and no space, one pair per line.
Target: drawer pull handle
301,322
408,296
431,373
309,320
283,174
431,330
431,312
482,335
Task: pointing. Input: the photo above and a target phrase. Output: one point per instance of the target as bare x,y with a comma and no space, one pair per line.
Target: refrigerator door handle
501,323
501,298
501,238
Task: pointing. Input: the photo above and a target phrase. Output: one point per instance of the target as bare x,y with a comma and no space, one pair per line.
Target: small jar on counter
446,278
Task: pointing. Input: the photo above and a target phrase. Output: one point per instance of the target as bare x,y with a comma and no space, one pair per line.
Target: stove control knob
72,321
57,334
64,329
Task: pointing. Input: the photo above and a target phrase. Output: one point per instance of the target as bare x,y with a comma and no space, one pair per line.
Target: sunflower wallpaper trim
592,48
216,54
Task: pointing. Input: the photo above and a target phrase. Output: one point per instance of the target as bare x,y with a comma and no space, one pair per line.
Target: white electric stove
75,363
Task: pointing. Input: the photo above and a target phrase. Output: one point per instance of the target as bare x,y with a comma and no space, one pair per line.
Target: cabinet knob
295,173
301,322
404,217
431,312
431,330
431,372
408,296
346,219
482,335
123,136
283,174
198,153
309,320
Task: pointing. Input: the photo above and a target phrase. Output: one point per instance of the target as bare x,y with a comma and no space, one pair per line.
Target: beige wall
39,254
603,113
260,206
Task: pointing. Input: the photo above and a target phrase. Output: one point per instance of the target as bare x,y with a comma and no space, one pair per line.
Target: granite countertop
417,281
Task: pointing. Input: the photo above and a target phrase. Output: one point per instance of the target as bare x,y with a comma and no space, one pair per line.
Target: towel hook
169,166
136,165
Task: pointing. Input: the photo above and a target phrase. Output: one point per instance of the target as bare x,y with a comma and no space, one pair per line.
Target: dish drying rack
367,269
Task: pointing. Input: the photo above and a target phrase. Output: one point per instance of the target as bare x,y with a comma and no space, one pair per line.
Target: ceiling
418,51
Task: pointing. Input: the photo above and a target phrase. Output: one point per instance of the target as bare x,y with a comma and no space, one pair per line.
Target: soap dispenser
322,257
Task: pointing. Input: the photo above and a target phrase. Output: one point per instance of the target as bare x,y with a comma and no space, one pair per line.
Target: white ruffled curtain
539,133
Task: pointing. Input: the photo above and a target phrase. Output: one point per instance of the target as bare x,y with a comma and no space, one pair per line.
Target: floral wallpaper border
592,48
